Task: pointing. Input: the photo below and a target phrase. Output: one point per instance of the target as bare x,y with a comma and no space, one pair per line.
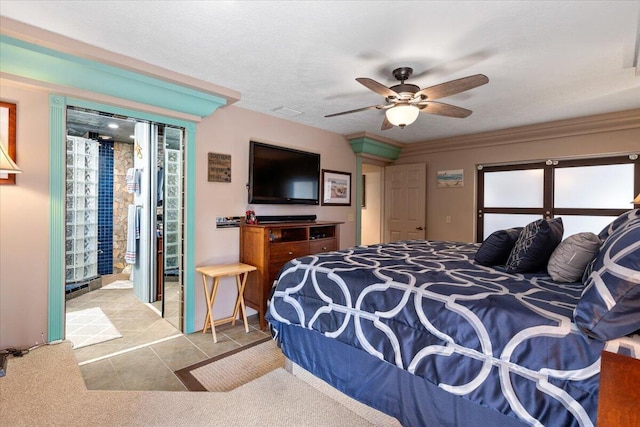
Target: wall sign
219,167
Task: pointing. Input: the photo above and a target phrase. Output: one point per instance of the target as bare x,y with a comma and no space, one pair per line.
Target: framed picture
8,137
450,178
336,188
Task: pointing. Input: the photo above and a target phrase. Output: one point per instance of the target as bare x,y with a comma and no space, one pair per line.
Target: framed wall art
336,188
8,137
450,178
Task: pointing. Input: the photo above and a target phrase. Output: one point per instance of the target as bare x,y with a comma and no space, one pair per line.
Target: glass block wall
172,211
105,209
81,222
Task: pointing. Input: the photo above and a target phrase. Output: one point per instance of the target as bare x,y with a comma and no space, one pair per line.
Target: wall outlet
350,218
447,219
41,339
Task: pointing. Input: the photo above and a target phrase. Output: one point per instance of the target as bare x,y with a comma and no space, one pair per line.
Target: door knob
420,228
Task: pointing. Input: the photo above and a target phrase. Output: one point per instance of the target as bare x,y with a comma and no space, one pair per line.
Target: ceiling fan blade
386,124
453,87
372,107
378,88
442,109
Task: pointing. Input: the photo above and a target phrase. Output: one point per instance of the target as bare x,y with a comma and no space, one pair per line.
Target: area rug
90,326
233,369
119,284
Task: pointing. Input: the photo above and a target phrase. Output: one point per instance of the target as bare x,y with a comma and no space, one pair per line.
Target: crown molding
628,119
375,137
65,45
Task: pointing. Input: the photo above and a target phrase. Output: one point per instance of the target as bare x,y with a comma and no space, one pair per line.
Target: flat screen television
279,175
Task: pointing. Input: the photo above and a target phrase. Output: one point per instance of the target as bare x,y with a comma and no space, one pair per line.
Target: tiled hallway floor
150,349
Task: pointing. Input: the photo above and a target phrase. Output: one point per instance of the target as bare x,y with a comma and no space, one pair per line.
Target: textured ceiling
545,60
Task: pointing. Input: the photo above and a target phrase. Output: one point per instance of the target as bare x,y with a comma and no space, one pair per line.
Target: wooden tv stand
269,246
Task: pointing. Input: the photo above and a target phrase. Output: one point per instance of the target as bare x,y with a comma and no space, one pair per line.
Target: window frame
548,210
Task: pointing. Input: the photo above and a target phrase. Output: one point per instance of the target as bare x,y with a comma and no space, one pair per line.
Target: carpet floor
45,388
231,370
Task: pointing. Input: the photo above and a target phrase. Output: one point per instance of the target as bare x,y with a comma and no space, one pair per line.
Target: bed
427,334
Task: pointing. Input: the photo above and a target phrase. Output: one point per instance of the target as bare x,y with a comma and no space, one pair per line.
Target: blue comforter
506,341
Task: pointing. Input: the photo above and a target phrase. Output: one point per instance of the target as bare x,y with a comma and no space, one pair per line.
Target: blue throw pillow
534,246
621,221
610,304
496,248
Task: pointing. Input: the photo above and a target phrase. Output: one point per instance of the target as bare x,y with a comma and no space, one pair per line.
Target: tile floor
150,349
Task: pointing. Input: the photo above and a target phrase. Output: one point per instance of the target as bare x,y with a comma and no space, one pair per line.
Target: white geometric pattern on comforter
503,340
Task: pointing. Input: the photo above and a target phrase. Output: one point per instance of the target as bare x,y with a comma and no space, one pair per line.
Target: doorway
393,203
116,167
371,230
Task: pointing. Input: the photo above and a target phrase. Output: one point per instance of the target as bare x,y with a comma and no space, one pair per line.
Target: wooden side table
619,393
240,271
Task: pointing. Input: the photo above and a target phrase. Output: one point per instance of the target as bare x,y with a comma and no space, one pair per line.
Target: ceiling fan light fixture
402,115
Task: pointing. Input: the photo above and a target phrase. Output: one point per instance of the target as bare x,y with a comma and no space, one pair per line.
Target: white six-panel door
405,202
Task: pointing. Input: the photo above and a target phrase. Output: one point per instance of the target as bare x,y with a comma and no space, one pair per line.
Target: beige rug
90,326
119,284
231,370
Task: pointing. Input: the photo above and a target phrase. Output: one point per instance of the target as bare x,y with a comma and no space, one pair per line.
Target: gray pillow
570,258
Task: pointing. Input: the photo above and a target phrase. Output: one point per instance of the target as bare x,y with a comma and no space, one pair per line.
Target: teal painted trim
55,328
370,146
127,112
47,65
359,196
57,131
189,227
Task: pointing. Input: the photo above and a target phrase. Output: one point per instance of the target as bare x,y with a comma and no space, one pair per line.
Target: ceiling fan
405,101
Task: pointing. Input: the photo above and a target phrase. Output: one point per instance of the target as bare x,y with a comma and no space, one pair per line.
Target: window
588,194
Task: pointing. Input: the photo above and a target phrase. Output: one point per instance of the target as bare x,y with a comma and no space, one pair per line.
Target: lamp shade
636,200
402,114
6,164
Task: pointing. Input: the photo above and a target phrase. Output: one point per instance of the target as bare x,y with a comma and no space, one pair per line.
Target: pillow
622,221
496,248
610,304
619,222
534,246
570,258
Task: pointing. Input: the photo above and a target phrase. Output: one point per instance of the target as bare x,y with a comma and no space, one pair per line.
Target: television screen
279,175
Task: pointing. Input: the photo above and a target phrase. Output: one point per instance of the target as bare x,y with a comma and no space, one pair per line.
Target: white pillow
571,256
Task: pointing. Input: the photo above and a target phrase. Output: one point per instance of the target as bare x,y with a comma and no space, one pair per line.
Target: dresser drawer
283,252
322,245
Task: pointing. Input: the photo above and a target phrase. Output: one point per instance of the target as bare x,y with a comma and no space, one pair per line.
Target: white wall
228,131
24,224
595,136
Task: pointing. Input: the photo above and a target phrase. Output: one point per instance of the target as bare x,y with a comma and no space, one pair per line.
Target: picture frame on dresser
8,138
336,188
